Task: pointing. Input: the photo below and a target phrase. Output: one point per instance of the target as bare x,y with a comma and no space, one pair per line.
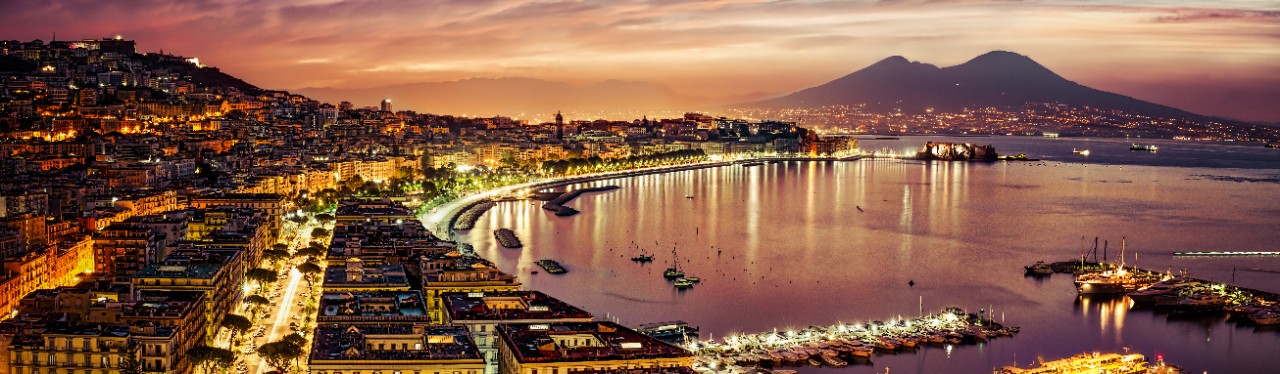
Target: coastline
440,221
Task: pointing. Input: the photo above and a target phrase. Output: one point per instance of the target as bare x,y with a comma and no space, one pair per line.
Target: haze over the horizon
1211,57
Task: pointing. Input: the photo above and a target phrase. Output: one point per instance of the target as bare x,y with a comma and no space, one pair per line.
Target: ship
642,258
1082,152
1143,147
675,332
1088,363
1108,282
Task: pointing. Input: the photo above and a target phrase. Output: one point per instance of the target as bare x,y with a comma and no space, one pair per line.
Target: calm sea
786,246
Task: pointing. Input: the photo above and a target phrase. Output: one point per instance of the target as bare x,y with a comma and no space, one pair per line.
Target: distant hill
511,96
994,79
207,76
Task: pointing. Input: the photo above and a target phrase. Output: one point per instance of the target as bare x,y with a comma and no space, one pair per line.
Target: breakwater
507,238
557,204
470,214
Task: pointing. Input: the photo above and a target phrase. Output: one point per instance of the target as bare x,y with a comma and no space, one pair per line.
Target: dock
838,345
557,204
1225,253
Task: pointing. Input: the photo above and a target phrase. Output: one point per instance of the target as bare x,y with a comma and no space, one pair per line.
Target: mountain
994,79
512,96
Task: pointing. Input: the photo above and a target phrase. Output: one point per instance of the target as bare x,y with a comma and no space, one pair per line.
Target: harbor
557,204
1096,362
842,344
1172,294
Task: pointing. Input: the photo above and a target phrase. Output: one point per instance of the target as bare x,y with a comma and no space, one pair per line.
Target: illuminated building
582,346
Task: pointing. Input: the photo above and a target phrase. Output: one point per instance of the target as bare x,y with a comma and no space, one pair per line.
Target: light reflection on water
795,251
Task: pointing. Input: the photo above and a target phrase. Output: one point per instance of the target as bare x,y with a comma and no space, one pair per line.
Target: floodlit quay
837,345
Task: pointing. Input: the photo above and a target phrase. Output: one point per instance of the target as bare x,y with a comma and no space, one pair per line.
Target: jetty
507,238
557,204
837,345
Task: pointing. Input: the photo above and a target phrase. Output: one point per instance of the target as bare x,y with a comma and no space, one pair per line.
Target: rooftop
508,305
583,341
355,306
394,341
357,275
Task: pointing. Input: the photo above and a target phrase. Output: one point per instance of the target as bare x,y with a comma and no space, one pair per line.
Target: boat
833,361
1039,269
683,283
1143,147
693,279
688,196
813,362
1082,152
1268,317
750,164
1147,295
1273,145
643,258
861,351
674,271
1108,282
1087,363
671,331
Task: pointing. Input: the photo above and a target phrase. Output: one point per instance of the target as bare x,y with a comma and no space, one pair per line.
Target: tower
386,105
559,125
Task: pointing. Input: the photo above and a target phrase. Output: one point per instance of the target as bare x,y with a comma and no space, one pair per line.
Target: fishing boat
643,258
683,284
1082,152
1143,147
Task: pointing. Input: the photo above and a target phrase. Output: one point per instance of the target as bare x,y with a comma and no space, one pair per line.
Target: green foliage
278,354
262,276
208,358
237,323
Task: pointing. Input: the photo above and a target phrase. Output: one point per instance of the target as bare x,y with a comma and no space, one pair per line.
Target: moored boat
1143,147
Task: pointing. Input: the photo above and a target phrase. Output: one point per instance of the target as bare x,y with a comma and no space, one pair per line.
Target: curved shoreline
440,221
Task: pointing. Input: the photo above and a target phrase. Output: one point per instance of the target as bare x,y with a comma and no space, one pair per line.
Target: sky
1212,57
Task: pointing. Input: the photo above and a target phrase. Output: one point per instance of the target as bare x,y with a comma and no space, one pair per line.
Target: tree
313,251
319,232
237,323
309,270
130,363
209,358
324,218
262,276
274,255
278,354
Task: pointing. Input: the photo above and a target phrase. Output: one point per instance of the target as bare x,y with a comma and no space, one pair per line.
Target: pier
837,345
557,204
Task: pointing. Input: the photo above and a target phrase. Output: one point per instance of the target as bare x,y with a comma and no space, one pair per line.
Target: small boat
643,258
814,362
750,164
551,266
683,284
674,271
688,196
833,361
1273,145
1267,317
1143,147
1082,152
693,279
861,351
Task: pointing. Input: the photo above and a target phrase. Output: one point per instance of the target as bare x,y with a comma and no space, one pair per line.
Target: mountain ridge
993,79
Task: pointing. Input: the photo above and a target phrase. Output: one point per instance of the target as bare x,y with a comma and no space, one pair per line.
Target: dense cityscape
160,216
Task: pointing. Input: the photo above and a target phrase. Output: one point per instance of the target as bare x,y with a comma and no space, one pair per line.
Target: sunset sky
1212,57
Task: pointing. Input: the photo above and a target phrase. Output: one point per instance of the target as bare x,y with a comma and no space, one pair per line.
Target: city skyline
1210,58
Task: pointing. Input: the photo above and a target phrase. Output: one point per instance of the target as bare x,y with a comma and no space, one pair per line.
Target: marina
839,345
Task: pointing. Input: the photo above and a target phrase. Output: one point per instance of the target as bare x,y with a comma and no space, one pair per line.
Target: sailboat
1114,281
674,271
